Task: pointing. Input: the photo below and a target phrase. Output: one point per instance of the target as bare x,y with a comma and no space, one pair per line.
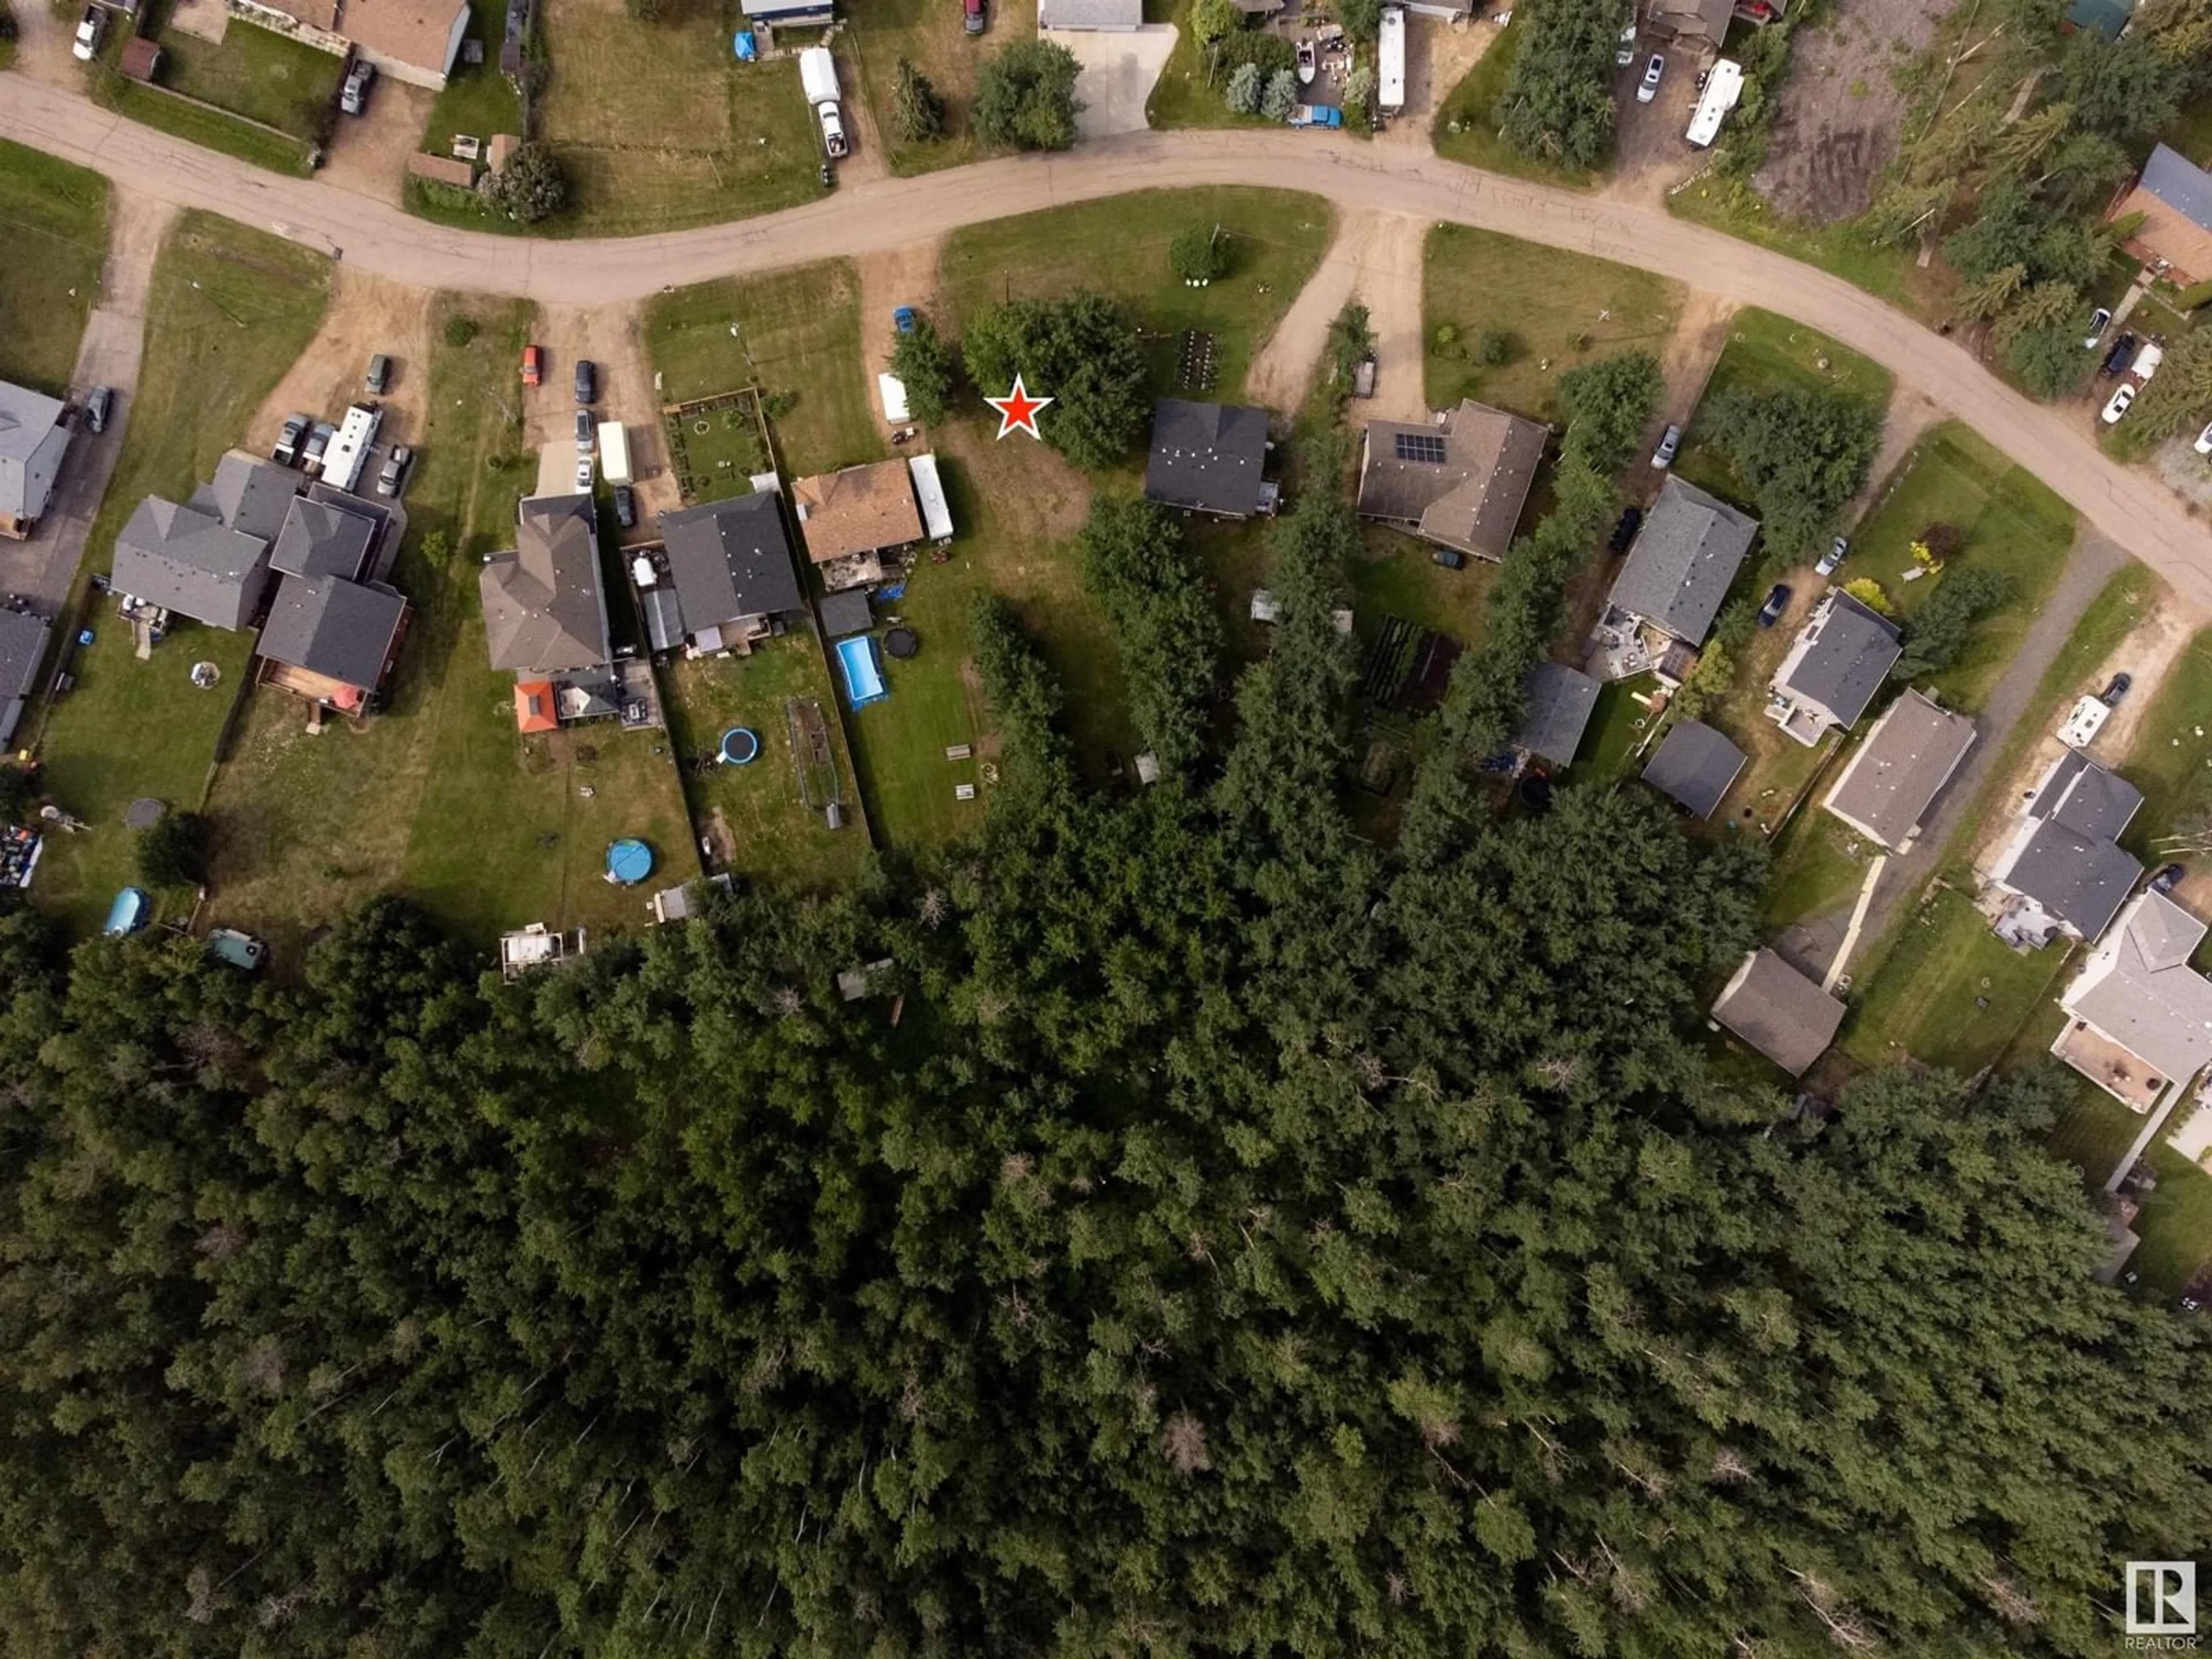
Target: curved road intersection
2130,505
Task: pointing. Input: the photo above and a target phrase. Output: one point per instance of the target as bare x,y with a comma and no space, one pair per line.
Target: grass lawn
931,35
1119,248
757,811
256,73
478,100
1765,353
1560,309
661,128
56,217
1820,864
1945,991
1465,128
2170,759
2012,523
210,129
2176,1223
1619,725
1395,576
1840,250
796,332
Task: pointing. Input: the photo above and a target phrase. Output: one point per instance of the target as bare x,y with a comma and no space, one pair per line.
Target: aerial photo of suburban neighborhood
1114,828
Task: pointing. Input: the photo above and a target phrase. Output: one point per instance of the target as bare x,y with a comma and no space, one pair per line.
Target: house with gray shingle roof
1695,766
23,639
342,636
1838,661
32,441
1779,1011
729,564
2173,197
250,495
2139,1017
545,611
190,562
1685,556
1208,457
2064,871
1559,700
1894,775
1112,17
323,538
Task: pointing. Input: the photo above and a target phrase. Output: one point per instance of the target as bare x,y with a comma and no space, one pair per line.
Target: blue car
903,319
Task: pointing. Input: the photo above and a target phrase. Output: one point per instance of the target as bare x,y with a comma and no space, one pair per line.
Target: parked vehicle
614,451
90,31
380,374
353,98
319,435
1669,441
902,320
2204,442
2167,878
2120,686
348,452
534,365
1625,53
971,16
393,472
587,381
2146,362
2118,407
818,74
1309,62
583,432
1777,601
1449,557
625,507
1317,115
97,407
2116,359
2099,320
1625,529
289,440
1833,556
1647,88
584,475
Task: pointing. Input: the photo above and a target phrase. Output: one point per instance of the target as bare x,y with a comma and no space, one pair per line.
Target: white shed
892,390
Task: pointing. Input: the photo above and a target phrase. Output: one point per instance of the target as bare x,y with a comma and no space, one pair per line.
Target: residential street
2132,507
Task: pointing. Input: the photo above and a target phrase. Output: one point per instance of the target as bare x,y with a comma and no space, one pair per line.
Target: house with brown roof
850,519
417,41
545,612
2175,197
1459,483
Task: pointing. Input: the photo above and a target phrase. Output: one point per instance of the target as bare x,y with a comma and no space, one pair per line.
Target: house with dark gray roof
2062,871
1208,457
1460,482
1839,659
730,565
1687,552
1559,700
2173,196
251,496
1894,775
339,638
191,562
1779,1011
323,538
32,441
2139,1021
545,611
1695,766
23,639
846,613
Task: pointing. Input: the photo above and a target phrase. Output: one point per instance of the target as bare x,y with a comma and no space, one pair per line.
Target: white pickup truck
818,73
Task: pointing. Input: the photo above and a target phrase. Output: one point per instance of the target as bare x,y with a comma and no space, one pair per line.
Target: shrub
460,328
173,851
1243,93
1198,253
917,110
1868,591
1281,96
530,187
1492,347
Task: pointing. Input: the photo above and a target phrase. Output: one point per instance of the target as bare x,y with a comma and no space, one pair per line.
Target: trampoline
864,675
900,642
740,746
629,862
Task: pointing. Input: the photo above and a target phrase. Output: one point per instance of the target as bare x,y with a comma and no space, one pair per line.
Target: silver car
1647,88
1669,441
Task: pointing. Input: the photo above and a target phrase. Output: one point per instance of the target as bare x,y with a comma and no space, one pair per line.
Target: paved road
2132,507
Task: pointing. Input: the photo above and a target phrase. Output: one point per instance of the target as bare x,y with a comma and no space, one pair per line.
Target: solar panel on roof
1424,446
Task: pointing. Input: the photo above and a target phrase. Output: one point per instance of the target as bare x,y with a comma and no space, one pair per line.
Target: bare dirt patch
368,153
1701,331
367,315
900,276
1438,55
1376,260
1841,109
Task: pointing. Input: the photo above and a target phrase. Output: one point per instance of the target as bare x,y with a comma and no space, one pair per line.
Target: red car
533,366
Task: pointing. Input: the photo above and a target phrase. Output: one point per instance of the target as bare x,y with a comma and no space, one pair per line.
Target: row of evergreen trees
1248,1240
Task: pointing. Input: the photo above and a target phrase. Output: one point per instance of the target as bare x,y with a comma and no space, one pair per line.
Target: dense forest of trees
1241,1239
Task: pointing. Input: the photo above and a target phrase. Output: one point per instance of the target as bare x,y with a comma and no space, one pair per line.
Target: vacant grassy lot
795,334
210,129
2170,759
256,73
758,811
56,219
929,34
1465,128
1557,309
2012,523
1819,864
661,128
477,99
1945,991
1763,353
1118,247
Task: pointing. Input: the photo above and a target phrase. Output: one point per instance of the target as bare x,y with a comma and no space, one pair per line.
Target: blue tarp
746,48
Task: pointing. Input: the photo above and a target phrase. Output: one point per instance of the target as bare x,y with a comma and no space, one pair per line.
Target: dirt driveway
1650,152
1375,258
903,277
1837,125
367,315
613,338
368,153
1438,55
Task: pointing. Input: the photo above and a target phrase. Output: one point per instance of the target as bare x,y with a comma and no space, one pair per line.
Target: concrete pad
556,468
1119,71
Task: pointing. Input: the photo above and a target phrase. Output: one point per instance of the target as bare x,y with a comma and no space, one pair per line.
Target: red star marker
1017,411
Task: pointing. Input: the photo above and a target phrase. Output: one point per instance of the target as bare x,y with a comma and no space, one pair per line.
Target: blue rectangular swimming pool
864,674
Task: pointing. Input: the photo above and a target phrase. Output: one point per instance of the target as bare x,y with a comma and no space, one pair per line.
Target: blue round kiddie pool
629,862
740,746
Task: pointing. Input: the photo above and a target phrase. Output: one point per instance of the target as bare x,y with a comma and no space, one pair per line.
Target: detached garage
1109,17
